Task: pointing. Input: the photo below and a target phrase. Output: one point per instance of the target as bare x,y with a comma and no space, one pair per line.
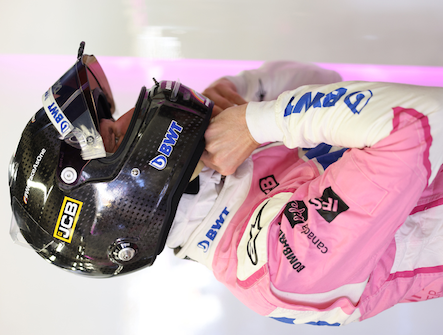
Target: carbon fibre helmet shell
114,214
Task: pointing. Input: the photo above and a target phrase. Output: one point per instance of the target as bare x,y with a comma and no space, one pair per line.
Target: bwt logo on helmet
355,101
67,219
58,119
167,145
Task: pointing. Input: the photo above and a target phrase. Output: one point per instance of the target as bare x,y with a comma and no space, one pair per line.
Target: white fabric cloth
193,208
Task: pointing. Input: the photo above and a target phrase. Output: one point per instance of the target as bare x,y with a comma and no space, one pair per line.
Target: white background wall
39,41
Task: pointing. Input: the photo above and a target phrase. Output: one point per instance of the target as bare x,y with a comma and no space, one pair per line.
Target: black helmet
97,215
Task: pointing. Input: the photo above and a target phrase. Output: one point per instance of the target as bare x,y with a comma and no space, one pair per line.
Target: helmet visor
70,106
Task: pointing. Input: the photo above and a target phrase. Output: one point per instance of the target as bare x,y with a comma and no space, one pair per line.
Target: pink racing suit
339,216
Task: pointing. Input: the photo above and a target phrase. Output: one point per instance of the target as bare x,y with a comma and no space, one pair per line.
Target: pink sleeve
327,229
352,211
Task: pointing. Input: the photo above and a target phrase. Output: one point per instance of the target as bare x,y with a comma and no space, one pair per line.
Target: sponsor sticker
267,184
67,219
32,175
355,101
253,234
287,251
296,212
55,114
167,146
213,231
330,205
315,240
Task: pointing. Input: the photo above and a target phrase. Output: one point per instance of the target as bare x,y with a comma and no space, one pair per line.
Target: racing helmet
95,213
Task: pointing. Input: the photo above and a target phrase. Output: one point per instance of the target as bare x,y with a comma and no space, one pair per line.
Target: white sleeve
272,78
346,114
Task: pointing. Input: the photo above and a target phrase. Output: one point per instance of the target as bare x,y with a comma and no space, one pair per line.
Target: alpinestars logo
253,234
330,205
296,212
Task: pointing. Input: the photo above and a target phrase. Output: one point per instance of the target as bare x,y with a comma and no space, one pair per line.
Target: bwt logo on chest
355,101
167,146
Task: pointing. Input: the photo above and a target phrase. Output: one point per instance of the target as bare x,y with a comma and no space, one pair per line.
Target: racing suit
337,216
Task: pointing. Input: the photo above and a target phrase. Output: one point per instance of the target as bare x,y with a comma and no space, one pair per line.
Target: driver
320,201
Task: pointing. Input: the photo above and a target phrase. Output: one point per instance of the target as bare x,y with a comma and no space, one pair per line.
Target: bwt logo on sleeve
355,101
213,231
167,146
67,219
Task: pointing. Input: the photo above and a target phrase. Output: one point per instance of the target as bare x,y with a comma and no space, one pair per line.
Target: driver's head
92,212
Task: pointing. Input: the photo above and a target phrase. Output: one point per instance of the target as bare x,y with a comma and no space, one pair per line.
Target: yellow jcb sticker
67,219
